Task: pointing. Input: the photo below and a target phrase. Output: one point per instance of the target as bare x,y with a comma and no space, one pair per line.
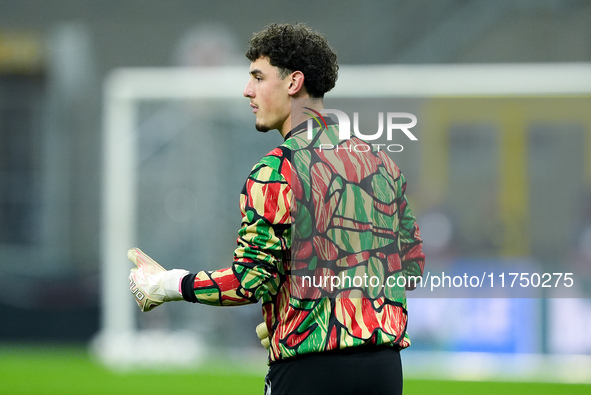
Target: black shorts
359,370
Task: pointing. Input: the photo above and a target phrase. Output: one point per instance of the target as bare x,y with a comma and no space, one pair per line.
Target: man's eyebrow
256,72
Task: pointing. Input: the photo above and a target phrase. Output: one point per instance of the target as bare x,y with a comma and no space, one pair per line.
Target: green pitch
69,370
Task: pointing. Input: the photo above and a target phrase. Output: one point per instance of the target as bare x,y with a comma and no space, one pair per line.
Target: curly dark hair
297,48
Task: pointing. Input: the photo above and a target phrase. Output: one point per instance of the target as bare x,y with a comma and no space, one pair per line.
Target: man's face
268,96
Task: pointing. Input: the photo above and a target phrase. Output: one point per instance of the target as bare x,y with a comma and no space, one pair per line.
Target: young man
328,243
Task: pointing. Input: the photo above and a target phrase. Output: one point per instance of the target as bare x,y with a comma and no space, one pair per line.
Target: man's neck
300,112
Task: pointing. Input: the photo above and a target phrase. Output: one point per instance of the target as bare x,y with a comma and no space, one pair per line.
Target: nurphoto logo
396,122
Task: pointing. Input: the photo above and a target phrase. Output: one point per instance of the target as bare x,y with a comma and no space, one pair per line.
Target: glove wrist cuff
171,284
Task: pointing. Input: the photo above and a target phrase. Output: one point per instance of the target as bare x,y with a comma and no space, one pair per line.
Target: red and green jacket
327,243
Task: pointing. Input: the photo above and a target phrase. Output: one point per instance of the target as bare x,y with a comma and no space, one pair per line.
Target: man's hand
150,283
263,335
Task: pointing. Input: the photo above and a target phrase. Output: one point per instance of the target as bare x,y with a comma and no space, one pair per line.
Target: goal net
178,145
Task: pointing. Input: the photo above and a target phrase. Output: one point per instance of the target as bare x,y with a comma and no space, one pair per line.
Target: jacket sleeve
411,245
263,242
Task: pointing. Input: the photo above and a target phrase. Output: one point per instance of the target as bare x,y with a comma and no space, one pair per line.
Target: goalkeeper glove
263,335
150,283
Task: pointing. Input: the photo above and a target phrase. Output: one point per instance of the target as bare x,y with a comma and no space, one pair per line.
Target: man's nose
247,92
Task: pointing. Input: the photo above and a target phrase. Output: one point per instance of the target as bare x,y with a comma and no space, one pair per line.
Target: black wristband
187,288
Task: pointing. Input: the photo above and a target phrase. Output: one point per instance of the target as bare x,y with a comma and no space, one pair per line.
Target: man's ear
296,85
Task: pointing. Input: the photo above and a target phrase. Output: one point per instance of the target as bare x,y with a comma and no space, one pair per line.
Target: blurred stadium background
496,182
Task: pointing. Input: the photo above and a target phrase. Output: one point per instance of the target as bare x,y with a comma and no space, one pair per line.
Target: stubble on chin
261,128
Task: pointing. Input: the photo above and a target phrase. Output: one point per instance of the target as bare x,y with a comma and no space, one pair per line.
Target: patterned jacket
328,244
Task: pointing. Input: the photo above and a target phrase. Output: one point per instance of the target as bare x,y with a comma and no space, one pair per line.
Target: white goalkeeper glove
263,335
150,283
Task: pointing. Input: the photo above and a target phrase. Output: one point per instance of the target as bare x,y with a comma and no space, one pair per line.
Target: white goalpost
120,342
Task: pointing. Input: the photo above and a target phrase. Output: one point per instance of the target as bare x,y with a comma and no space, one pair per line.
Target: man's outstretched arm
263,241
